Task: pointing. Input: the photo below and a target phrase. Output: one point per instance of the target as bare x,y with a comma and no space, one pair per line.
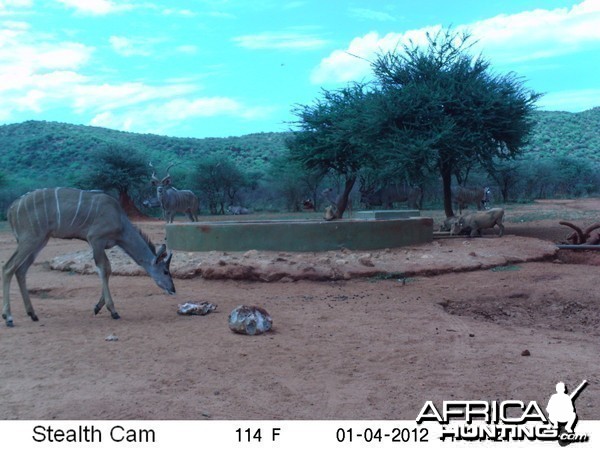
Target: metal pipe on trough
578,247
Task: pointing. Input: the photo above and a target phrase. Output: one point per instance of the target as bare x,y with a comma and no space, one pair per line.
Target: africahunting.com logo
477,420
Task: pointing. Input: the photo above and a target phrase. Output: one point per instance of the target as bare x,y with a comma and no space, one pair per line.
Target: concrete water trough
298,235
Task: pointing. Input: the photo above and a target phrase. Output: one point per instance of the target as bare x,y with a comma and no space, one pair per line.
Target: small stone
365,260
111,338
525,353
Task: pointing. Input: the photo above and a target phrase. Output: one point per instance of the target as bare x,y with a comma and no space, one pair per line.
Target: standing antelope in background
91,216
173,200
480,197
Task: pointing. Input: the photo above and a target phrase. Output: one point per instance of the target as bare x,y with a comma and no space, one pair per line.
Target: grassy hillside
46,150
566,134
562,159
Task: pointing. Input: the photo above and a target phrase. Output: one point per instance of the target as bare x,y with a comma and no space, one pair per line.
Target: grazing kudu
173,200
91,216
390,194
463,197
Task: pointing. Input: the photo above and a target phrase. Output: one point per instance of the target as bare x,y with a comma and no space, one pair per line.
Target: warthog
237,210
390,194
477,221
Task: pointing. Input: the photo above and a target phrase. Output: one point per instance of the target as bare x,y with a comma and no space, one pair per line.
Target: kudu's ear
168,260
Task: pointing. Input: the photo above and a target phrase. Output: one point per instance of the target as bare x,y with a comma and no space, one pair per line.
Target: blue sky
214,68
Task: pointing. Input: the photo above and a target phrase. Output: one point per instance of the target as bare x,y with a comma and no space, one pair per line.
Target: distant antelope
173,200
480,197
91,216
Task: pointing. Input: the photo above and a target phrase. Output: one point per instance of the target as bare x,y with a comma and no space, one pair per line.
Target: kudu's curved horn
168,176
154,178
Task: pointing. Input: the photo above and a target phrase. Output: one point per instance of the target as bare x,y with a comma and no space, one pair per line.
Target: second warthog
473,223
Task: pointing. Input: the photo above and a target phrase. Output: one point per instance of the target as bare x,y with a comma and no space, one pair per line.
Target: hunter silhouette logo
561,411
508,420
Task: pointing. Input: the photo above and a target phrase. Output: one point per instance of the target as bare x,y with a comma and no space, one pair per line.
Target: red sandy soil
365,335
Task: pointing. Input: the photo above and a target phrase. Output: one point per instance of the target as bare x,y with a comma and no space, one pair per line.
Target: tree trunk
446,173
343,201
128,206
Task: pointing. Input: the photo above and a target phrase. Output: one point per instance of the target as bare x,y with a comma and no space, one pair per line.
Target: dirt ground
369,335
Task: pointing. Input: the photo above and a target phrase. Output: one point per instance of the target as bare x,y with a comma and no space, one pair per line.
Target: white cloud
27,63
7,4
131,47
96,7
187,49
370,14
38,74
503,39
103,97
354,62
280,41
539,33
14,7
161,116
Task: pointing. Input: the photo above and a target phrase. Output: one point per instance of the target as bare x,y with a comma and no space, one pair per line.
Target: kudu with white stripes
480,197
91,216
173,200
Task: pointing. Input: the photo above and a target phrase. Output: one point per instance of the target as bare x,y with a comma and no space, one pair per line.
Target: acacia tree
444,110
294,182
336,135
220,181
120,168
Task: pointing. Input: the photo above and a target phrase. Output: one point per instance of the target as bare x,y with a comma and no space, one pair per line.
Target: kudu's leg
104,270
191,215
18,264
21,274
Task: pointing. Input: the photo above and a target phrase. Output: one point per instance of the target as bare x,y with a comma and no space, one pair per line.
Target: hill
559,133
46,150
562,158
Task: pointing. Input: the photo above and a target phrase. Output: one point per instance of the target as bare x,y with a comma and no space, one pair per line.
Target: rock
251,254
525,353
111,338
250,320
365,260
195,309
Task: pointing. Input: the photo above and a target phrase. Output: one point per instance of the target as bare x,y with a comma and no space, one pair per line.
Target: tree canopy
118,168
336,134
432,108
446,110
